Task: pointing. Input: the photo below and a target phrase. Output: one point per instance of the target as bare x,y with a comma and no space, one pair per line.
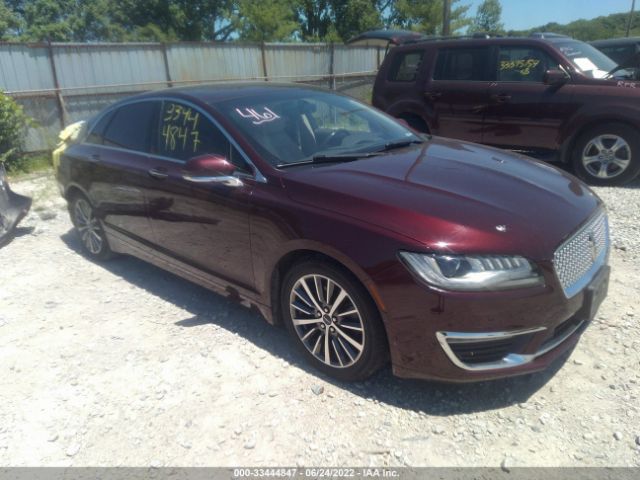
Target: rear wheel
607,155
334,321
415,122
88,228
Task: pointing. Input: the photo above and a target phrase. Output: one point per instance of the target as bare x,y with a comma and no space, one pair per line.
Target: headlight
473,272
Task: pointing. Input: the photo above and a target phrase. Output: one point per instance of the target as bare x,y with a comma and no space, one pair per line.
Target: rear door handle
500,97
94,157
158,173
433,95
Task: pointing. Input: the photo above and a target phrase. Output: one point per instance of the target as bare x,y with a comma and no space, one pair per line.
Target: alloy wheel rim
606,156
327,321
88,227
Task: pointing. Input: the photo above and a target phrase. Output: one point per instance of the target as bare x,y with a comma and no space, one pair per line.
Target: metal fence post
263,51
62,112
167,71
332,77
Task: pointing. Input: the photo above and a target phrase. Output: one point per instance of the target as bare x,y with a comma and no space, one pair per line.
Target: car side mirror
211,169
555,77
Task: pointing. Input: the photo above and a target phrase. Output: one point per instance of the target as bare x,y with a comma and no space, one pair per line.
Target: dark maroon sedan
456,261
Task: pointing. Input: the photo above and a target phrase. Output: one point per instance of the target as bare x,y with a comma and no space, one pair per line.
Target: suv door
458,93
205,225
116,165
523,111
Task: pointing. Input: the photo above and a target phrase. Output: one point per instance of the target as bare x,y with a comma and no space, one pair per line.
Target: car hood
454,197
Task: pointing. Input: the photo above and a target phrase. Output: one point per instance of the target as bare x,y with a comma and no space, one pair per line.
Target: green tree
352,17
314,18
426,15
9,22
488,18
267,21
13,123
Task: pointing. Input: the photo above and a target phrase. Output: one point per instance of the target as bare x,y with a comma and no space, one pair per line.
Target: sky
522,14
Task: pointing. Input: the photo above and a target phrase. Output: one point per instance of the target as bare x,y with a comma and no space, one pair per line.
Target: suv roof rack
483,35
436,38
547,35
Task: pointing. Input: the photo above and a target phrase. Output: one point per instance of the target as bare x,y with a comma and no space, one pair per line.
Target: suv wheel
88,228
607,155
333,320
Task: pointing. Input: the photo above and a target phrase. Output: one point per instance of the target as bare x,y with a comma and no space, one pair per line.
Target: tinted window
185,133
405,66
97,132
463,64
523,64
130,126
622,55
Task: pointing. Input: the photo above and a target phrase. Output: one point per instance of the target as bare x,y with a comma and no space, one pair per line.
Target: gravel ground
124,364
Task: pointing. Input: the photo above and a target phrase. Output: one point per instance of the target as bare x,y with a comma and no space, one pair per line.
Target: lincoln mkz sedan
369,241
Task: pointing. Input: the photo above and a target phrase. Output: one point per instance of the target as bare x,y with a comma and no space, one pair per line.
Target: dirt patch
124,364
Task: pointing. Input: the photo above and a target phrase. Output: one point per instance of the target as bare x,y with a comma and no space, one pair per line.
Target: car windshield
588,59
296,125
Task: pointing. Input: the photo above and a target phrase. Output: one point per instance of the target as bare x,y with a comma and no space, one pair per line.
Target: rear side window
97,132
405,66
471,64
523,64
130,126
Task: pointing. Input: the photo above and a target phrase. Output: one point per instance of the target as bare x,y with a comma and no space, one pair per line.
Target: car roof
214,93
616,41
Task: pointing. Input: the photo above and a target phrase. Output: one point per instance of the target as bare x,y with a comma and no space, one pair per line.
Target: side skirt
122,244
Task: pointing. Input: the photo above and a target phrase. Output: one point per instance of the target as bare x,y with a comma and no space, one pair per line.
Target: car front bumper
462,337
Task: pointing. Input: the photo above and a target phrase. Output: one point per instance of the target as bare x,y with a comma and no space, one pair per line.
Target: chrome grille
577,258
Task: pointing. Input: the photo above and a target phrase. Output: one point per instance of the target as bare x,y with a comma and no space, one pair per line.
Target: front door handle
500,97
433,95
158,173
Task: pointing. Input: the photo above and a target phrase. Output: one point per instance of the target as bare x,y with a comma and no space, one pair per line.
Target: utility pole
633,6
446,20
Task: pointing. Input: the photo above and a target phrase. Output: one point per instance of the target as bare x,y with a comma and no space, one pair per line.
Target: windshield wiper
337,158
617,69
399,144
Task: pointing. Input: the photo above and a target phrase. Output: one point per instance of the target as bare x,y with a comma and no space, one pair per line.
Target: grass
30,163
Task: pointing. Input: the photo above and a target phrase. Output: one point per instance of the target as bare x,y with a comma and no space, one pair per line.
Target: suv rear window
405,66
471,64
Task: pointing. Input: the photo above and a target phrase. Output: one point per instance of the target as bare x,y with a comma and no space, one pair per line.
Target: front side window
523,64
405,66
470,64
184,133
293,125
130,126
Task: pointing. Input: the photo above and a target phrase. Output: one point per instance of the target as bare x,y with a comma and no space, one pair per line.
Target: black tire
93,240
415,122
358,365
586,146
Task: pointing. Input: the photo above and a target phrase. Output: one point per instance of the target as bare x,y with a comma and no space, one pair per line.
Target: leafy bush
13,125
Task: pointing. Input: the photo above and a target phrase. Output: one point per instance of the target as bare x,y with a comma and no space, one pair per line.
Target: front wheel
334,321
607,155
87,226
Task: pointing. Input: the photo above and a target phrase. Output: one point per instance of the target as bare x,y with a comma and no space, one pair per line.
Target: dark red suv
457,261
549,96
